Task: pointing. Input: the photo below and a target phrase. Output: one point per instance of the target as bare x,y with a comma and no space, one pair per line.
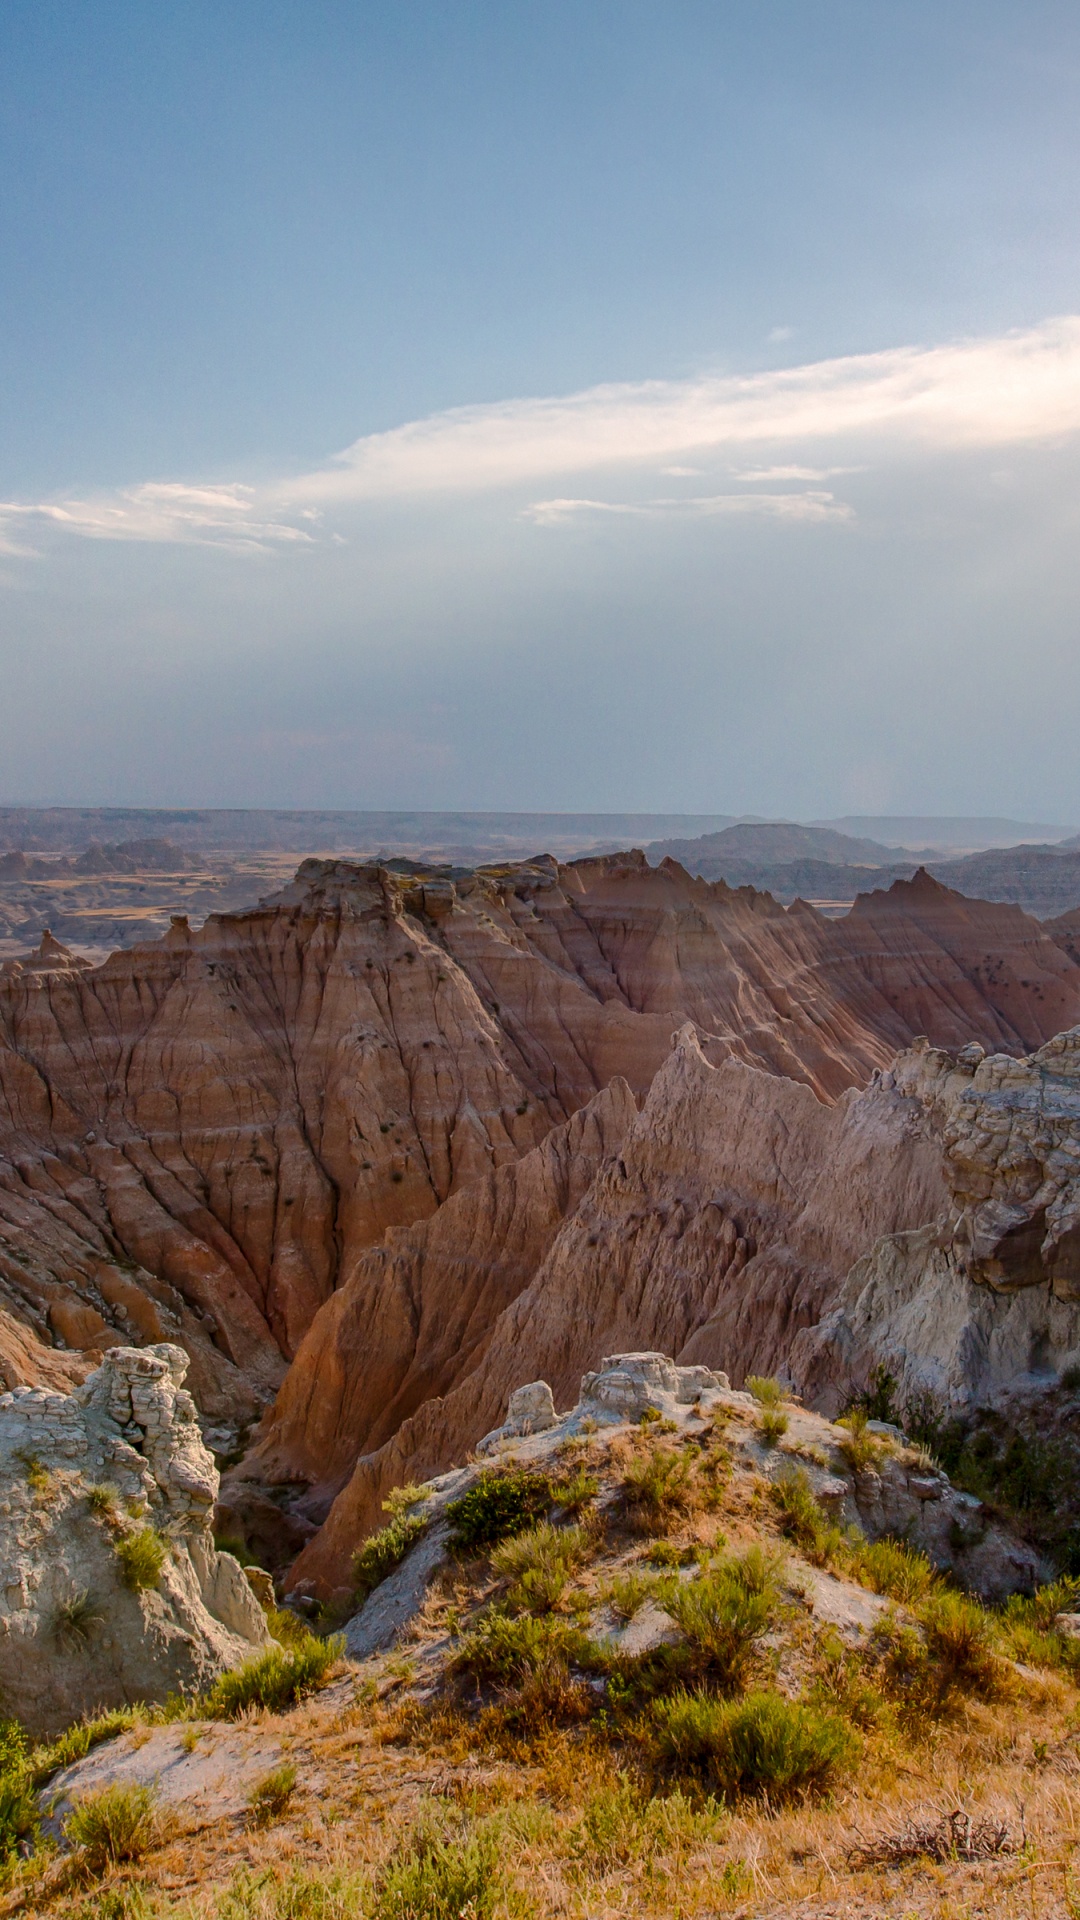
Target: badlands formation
382,1148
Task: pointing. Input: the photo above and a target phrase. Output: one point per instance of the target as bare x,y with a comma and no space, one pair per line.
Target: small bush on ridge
772,1425
658,1484
273,1679
435,1875
142,1557
723,1614
497,1505
383,1551
270,1797
539,1563
761,1744
766,1390
18,1803
119,1823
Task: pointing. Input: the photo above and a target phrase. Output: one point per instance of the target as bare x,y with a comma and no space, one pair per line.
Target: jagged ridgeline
370,1150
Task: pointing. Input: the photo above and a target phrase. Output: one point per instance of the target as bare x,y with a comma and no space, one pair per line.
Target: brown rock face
200,1139
725,1222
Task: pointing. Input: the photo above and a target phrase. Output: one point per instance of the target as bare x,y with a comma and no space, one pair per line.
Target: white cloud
1015,389
775,506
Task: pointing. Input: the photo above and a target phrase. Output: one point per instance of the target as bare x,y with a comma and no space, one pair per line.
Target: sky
551,404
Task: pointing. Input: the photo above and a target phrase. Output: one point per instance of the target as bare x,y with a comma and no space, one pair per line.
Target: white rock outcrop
984,1301
81,1474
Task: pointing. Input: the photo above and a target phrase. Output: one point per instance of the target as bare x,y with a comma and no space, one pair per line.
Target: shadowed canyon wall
203,1138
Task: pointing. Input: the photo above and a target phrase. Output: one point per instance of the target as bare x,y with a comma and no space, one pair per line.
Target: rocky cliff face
200,1139
986,1297
724,1223
84,1476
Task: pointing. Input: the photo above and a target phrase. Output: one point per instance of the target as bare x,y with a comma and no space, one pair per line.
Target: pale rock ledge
74,1636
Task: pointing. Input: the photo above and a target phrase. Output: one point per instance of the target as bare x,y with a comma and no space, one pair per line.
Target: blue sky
544,405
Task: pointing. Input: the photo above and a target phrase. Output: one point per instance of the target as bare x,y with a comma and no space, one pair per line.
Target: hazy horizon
600,409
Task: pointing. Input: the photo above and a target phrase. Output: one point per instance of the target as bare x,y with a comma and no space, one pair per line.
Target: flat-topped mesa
112,1589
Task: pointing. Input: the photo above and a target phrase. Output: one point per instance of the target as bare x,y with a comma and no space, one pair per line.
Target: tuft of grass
723,1614
499,1504
18,1801
627,1593
960,1639
77,1741
658,1484
576,1492
802,1518
400,1499
763,1744
271,1795
506,1648
383,1551
859,1447
274,1679
539,1563
894,1568
104,1501
621,1823
74,1620
772,1425
38,1477
438,1875
767,1390
118,1823
287,1627
142,1556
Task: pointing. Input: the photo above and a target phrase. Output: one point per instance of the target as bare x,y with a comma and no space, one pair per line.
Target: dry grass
537,1782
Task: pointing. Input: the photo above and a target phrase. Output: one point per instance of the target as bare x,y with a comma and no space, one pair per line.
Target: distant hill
1043,880
464,836
769,844
944,832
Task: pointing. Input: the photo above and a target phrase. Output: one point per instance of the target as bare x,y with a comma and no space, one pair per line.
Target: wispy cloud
773,506
1015,389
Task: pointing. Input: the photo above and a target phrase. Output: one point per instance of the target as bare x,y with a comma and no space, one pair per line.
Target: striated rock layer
723,1224
202,1138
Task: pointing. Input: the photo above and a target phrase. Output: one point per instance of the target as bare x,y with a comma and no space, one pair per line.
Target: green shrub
118,1823
273,1679
287,1627
18,1803
1026,1625
104,1501
142,1557
723,1614
802,1518
270,1797
766,1390
435,1875
762,1744
894,1568
878,1401
505,1648
627,1593
772,1425
577,1491
539,1563
657,1485
859,1447
960,1645
497,1505
383,1551
74,1742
